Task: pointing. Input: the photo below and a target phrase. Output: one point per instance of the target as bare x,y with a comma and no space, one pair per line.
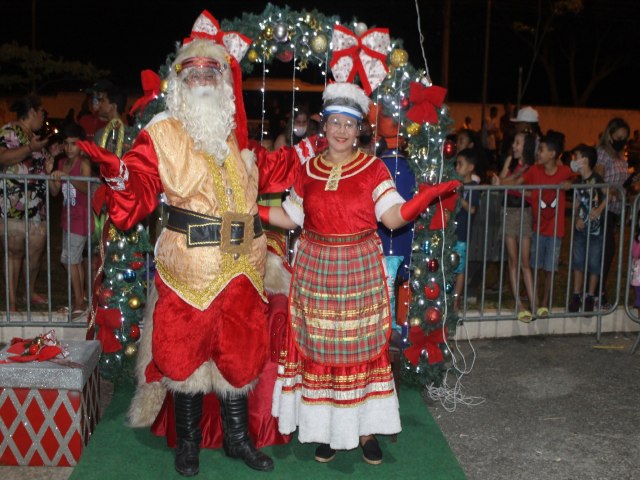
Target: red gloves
410,210
109,162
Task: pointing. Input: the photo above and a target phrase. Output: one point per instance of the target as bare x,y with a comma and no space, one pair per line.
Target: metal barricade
52,267
632,276
487,248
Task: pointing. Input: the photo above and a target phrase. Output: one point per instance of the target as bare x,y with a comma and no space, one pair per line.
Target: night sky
128,36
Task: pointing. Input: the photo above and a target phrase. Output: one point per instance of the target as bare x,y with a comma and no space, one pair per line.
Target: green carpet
116,451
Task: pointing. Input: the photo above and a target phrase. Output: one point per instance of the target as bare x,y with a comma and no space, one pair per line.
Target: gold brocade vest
192,180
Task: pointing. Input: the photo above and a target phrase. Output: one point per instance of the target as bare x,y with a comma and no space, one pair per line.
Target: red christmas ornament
433,315
134,332
286,56
432,265
33,349
404,103
138,254
105,295
136,265
449,149
432,291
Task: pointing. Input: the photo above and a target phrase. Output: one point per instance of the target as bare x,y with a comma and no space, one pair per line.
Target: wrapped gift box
49,410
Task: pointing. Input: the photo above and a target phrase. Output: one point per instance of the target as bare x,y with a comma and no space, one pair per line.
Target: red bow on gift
150,87
430,343
207,27
424,101
365,55
108,320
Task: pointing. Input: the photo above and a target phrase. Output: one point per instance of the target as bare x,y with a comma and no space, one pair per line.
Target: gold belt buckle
232,219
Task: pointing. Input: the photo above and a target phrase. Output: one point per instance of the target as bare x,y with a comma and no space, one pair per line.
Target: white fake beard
207,114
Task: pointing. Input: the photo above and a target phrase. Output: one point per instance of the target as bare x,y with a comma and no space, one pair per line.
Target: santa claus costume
210,329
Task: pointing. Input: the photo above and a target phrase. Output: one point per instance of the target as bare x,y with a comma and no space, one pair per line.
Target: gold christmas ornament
164,84
115,257
311,21
415,322
134,303
252,55
435,240
319,43
113,233
399,57
417,272
413,128
130,350
133,238
267,33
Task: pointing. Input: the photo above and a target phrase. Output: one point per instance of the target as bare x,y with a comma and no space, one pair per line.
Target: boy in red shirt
548,208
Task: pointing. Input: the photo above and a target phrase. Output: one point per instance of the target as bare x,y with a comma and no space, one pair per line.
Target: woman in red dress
334,378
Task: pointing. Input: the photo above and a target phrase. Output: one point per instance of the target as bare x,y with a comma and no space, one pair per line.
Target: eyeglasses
201,77
335,124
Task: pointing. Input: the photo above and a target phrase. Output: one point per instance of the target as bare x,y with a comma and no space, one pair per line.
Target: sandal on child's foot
542,312
37,299
371,452
324,453
525,316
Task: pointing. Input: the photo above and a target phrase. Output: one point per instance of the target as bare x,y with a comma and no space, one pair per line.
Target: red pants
233,332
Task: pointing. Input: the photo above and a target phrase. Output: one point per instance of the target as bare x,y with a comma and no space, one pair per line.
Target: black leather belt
233,232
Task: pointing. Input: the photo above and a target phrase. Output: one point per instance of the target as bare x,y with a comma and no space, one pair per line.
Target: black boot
237,443
188,411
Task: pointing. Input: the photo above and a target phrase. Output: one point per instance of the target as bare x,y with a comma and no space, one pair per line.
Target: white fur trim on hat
201,48
526,114
338,90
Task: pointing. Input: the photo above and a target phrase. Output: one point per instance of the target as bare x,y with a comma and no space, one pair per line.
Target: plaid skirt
339,303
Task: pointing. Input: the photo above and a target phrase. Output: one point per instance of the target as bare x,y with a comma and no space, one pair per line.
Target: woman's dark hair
613,125
530,147
25,104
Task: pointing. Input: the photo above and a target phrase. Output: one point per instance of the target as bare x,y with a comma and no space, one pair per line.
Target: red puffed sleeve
279,169
140,196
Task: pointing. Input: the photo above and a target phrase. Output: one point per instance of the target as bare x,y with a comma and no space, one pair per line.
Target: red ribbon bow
206,26
430,343
151,88
365,55
108,320
424,101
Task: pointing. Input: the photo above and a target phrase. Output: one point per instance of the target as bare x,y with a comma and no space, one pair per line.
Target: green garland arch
303,37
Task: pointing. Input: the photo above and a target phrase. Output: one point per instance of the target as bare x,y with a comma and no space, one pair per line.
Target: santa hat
346,99
205,35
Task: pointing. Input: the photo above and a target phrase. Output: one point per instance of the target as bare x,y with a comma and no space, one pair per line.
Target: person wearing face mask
612,166
296,129
590,203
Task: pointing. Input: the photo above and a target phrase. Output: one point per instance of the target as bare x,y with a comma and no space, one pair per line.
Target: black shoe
236,442
187,458
589,303
188,411
371,452
324,453
576,303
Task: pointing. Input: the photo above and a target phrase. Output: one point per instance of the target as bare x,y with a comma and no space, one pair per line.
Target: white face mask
575,165
299,131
